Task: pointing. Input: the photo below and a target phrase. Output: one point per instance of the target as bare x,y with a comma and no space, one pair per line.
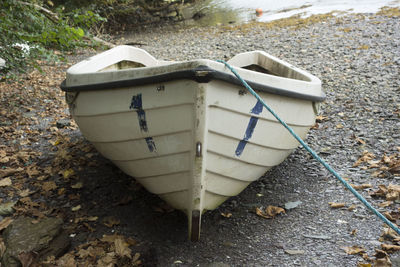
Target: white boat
189,131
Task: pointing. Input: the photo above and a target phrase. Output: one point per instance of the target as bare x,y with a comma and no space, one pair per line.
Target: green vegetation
31,31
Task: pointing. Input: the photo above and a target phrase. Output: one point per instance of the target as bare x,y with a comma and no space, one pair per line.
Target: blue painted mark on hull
150,144
257,108
136,103
250,128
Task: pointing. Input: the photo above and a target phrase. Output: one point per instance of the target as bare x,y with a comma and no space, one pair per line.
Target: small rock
2,63
46,238
63,123
292,205
7,208
294,251
325,237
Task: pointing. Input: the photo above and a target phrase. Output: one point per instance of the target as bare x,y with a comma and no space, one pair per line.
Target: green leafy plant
28,34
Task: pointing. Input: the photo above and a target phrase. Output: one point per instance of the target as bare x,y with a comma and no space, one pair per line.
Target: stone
63,123
42,239
294,251
324,237
2,63
292,205
7,208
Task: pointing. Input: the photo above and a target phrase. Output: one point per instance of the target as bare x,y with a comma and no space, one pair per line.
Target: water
241,11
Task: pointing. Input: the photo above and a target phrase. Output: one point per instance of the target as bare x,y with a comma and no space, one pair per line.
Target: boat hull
193,143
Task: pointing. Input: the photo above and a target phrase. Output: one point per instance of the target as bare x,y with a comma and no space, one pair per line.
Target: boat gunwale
200,74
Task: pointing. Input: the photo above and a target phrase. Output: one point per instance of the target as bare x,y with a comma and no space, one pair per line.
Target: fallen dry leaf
122,248
68,173
111,238
270,212
92,218
352,207
5,223
5,182
107,260
9,171
362,186
2,248
78,185
392,195
48,186
382,259
360,141
365,157
25,193
110,221
354,250
67,260
90,252
135,260
389,234
336,205
385,204
381,192
76,208
321,118
395,169
32,171
226,215
388,247
3,157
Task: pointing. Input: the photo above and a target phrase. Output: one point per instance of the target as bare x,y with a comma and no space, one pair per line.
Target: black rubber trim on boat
201,74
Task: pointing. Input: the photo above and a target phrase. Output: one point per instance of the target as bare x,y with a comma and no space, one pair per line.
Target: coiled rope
326,165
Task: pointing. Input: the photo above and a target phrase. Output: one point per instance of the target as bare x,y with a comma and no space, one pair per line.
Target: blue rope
326,165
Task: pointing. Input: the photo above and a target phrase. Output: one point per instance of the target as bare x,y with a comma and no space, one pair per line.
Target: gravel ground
357,58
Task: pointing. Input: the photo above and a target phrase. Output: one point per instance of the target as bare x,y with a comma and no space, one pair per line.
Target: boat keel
194,225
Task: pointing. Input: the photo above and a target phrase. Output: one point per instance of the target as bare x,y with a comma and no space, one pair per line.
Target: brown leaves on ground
226,214
335,205
5,182
354,250
390,192
111,221
40,160
5,223
110,250
269,212
361,186
382,259
387,163
389,247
